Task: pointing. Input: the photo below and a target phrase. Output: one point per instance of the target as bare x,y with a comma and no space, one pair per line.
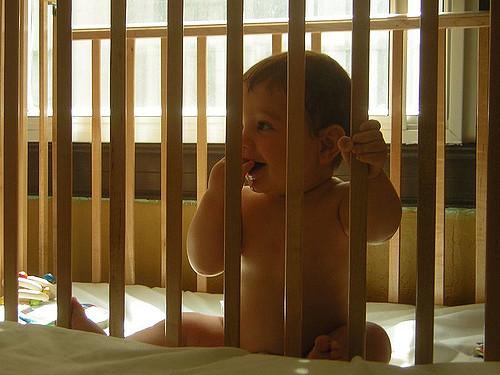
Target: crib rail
358,190
232,202
492,316
431,250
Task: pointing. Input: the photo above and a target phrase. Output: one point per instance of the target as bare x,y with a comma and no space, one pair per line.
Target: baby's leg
80,321
202,330
334,346
197,330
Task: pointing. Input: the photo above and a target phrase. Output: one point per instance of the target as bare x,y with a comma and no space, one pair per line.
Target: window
96,14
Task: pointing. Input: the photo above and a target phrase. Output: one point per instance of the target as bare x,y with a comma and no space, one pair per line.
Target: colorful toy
34,290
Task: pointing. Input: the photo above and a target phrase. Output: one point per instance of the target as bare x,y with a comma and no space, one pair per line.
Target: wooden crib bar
174,172
232,203
294,205
63,140
358,190
117,192
481,160
397,99
2,123
96,163
492,309
130,165
43,144
201,133
11,156
426,214
163,202
440,264
23,139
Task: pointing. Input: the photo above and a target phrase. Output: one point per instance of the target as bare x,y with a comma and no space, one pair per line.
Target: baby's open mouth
258,165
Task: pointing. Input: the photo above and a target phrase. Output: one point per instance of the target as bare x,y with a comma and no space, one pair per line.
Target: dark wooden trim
459,179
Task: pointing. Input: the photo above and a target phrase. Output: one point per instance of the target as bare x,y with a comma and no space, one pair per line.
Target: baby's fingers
247,166
368,136
369,125
345,146
373,147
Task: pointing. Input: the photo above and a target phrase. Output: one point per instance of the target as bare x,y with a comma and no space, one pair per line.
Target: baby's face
264,140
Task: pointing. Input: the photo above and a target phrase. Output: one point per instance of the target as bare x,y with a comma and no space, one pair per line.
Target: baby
326,216
326,209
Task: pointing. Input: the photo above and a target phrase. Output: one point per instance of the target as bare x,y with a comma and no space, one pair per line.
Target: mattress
457,329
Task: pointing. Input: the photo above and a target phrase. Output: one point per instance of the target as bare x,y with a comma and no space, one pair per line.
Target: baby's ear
329,137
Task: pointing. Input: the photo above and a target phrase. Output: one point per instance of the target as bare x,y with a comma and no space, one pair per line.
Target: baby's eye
263,125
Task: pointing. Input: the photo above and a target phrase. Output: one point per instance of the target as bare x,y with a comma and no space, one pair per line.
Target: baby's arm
383,205
205,241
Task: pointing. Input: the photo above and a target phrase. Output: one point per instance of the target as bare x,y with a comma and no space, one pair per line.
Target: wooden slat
426,214
201,134
277,43
23,140
2,122
316,42
163,203
130,166
294,206
117,186
458,20
96,164
232,204
397,90
359,172
174,173
440,271
11,160
483,69
43,166
492,309
64,162
54,137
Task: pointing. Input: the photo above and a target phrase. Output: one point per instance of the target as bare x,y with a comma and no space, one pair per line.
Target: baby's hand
367,146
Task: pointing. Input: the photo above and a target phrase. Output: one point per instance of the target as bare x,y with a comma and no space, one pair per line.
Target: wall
459,238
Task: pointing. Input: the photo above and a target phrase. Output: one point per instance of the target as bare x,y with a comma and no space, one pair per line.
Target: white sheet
457,329
56,351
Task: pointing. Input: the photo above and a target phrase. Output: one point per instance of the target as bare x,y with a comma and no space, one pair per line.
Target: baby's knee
378,345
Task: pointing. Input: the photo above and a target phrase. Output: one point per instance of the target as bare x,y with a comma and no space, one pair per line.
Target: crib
55,240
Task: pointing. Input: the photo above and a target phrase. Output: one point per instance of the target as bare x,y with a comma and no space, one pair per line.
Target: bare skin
326,218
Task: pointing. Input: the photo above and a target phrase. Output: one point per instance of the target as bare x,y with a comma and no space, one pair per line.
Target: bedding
52,350
458,329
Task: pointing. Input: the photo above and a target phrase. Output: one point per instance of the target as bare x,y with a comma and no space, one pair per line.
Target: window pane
216,76
105,77
338,46
379,73
412,72
91,14
257,10
203,11
33,60
256,48
147,77
82,78
328,9
146,12
190,94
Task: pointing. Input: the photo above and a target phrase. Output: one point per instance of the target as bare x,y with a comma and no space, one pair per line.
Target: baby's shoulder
334,192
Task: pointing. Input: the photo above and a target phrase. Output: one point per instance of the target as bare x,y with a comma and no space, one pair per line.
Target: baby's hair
327,89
